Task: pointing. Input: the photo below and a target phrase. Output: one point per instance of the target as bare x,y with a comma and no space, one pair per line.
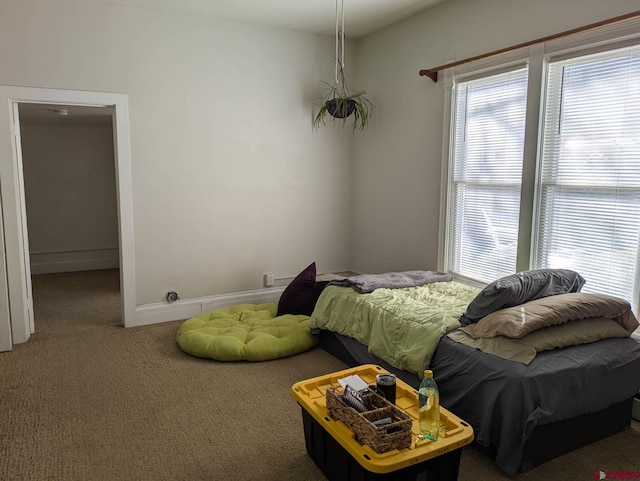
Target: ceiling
362,17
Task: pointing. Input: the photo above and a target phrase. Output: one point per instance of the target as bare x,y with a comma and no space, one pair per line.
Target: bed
525,411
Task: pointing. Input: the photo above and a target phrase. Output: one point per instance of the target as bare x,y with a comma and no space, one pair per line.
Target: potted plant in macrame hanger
337,101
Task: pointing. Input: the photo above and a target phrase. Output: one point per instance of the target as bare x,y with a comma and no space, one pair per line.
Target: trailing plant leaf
336,98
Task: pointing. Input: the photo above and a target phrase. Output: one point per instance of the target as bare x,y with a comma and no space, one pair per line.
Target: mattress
505,400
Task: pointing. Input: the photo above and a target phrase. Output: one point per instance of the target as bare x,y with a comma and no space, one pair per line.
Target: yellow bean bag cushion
245,332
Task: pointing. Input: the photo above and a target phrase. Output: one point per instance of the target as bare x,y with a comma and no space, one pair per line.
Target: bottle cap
428,373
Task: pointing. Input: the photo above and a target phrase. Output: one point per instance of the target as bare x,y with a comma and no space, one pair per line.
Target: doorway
70,187
16,305
70,200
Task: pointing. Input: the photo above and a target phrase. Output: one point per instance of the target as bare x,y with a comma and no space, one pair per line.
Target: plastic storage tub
341,458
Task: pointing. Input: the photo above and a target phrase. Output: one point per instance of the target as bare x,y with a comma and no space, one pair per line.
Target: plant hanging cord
339,37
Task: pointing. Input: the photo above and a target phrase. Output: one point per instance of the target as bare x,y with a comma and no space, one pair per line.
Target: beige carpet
86,399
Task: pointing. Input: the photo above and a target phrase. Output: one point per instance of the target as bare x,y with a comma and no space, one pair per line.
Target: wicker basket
396,435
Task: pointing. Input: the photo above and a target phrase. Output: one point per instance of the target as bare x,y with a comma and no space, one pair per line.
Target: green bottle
429,407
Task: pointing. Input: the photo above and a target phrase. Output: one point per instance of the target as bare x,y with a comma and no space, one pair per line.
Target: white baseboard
185,309
73,261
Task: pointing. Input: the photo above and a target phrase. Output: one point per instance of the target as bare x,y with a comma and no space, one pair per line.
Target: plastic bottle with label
429,407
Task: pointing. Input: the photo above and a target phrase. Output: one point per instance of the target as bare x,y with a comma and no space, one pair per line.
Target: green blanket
401,326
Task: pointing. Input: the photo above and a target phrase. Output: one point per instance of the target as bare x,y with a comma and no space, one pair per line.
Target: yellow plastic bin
335,451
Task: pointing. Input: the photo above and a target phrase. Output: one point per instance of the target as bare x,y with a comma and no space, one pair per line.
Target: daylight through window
586,213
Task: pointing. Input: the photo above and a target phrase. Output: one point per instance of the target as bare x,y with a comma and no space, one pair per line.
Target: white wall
397,167
229,180
70,193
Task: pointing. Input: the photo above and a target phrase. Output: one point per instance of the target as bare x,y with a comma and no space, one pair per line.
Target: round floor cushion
245,332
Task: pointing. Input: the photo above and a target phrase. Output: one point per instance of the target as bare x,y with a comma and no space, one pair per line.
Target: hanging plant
337,101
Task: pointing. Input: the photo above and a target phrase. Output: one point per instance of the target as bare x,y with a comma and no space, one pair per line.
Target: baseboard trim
185,309
74,261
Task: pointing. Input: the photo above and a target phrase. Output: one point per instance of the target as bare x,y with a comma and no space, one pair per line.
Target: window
486,174
584,212
589,183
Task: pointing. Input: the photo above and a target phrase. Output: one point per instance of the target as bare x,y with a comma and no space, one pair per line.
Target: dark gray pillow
521,287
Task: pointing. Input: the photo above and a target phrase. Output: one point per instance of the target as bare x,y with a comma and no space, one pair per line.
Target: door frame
17,268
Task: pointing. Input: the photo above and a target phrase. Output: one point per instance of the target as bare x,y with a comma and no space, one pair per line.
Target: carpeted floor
85,399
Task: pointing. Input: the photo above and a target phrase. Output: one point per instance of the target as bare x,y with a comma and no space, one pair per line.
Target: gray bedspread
366,283
504,400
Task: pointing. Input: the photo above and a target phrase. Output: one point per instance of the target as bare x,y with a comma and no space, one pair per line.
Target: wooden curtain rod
432,73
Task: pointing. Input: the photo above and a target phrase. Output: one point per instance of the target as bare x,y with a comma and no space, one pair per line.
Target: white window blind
485,178
589,178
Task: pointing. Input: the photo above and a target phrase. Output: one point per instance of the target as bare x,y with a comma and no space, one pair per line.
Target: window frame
512,67
537,57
